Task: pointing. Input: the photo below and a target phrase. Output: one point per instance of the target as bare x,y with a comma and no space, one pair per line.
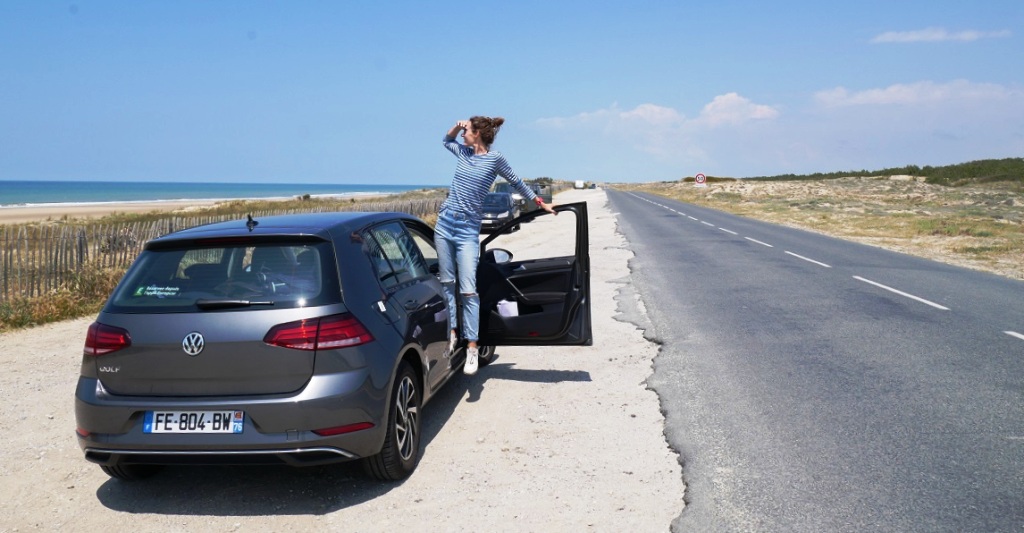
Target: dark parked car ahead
498,208
543,192
517,198
525,206
303,339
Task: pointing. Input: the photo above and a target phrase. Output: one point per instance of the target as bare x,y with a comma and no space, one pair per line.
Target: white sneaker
471,361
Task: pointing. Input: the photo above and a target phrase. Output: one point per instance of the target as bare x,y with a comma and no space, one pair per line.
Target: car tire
131,472
401,451
485,355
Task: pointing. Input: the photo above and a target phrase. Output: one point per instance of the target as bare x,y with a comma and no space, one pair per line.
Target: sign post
700,180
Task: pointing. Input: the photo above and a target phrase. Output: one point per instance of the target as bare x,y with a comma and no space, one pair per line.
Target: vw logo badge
193,343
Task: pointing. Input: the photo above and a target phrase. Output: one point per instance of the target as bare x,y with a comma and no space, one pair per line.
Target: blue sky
362,92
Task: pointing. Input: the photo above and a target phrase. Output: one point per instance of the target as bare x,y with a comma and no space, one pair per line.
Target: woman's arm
459,126
505,170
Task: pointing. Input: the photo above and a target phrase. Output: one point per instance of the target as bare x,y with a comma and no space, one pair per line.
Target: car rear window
174,279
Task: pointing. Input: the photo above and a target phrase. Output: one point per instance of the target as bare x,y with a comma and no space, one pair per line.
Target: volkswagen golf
303,340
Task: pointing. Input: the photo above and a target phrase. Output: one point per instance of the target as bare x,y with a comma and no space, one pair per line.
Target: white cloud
726,109
924,92
585,118
923,123
654,115
734,109
937,35
663,132
647,126
612,117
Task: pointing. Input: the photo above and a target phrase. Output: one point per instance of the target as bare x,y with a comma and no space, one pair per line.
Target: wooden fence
39,259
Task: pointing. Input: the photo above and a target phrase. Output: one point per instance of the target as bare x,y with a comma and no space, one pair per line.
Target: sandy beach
41,213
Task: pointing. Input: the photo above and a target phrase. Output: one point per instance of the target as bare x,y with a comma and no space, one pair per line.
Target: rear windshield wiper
227,303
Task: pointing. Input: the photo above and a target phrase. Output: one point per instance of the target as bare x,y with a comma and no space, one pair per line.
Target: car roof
498,194
320,224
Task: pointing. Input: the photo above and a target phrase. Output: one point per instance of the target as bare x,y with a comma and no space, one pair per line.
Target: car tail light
340,331
299,335
103,339
325,333
327,432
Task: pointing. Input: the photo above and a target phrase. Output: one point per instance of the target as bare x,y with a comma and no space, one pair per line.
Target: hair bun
497,121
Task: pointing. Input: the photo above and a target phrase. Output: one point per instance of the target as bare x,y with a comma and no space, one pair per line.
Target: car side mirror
498,255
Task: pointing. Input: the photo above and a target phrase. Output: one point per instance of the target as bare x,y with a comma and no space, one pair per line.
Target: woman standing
457,234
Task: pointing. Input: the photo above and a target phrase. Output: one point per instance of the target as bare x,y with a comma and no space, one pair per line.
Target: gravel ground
543,439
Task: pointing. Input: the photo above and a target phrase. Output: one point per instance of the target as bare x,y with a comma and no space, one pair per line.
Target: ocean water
31,193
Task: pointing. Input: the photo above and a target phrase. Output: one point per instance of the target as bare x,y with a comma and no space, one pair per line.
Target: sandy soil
554,439
17,215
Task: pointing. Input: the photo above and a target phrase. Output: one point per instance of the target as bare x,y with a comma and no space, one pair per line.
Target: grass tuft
85,295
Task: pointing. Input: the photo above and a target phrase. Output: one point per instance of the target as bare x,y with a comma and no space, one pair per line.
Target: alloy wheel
406,418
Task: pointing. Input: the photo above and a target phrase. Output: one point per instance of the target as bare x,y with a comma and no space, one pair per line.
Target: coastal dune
39,201
42,213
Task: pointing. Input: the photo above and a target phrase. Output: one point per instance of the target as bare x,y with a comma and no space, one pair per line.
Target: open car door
534,284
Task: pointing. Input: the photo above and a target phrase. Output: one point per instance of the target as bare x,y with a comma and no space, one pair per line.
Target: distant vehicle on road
580,184
543,192
498,209
506,187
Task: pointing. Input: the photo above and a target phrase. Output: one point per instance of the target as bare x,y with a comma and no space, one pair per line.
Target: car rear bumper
292,457
276,428
491,224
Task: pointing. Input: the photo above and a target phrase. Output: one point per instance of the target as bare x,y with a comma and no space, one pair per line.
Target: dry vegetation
978,225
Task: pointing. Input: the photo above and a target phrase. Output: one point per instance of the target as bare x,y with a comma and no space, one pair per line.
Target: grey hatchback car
300,339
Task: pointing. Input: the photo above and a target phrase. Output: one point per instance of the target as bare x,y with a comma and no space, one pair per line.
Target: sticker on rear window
157,291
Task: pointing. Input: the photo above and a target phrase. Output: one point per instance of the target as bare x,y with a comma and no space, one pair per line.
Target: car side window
559,233
394,254
425,245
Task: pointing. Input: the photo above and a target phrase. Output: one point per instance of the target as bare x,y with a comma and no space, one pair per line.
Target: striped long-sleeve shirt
474,175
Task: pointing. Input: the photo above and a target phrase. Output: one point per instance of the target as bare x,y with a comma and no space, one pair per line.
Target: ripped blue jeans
457,238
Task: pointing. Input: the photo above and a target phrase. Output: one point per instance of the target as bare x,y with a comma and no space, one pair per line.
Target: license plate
193,422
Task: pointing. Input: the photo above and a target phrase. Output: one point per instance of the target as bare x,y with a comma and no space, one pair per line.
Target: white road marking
1015,334
809,260
901,293
876,284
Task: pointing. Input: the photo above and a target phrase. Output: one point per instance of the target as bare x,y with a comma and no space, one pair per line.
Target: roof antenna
251,224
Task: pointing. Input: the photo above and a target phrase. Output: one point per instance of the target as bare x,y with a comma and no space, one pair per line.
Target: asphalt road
813,384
